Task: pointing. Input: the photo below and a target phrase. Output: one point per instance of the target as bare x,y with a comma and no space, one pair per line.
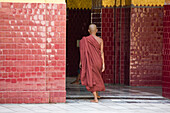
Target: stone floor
116,99
113,91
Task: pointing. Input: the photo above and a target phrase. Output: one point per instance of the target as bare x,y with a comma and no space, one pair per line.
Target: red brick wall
146,46
107,36
32,52
141,54
126,45
118,46
166,53
112,18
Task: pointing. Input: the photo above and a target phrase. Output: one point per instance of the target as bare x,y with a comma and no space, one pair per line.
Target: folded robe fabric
91,60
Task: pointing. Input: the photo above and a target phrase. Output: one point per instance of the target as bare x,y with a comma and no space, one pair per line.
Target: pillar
32,51
146,34
166,51
116,37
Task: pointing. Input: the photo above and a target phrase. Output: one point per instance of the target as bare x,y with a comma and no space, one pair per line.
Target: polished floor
77,91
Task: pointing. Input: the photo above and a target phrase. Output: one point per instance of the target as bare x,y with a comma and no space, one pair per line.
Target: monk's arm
102,55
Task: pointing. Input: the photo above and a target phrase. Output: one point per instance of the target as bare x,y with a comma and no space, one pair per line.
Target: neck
93,34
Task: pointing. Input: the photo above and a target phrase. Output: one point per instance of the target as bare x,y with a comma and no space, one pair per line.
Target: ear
88,30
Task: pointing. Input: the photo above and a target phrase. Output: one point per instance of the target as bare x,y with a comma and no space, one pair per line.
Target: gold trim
148,2
79,4
35,1
111,3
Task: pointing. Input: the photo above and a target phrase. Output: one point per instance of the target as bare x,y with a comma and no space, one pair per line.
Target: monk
92,62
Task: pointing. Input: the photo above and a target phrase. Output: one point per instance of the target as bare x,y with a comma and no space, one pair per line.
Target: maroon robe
91,60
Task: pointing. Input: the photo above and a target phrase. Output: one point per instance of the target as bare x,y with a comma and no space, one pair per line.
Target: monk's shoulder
83,38
100,39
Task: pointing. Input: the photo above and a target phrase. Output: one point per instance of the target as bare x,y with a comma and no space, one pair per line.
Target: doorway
78,21
114,25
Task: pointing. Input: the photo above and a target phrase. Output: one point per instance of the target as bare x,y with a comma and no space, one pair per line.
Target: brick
166,58
143,49
23,52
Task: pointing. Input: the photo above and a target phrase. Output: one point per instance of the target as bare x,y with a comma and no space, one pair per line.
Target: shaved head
92,28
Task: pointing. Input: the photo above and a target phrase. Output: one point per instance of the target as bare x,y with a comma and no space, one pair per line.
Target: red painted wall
32,52
166,53
146,46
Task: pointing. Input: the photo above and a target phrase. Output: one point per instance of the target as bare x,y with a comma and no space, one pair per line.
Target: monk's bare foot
95,101
98,96
75,82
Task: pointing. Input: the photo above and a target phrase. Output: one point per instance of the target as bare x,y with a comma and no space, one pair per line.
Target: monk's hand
80,65
103,68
